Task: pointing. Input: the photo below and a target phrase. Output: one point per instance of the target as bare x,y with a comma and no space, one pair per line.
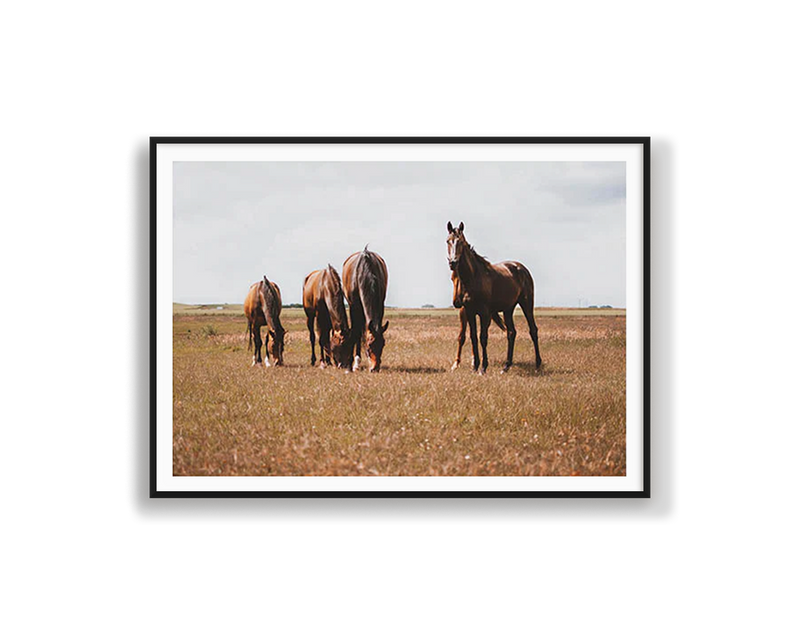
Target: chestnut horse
323,299
483,289
262,306
365,279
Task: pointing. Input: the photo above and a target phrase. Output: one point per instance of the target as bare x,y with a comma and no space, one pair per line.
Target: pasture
415,417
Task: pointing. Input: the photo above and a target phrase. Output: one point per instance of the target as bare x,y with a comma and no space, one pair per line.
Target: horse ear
385,327
449,227
461,227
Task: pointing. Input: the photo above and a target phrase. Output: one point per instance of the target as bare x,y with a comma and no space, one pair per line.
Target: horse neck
335,304
271,311
468,268
273,321
372,297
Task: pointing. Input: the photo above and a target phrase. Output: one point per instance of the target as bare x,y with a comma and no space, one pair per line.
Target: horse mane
336,281
481,260
370,286
336,302
273,306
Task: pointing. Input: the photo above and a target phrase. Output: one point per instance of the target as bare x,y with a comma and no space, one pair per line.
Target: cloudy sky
237,221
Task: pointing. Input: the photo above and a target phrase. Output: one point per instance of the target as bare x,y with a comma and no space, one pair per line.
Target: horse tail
499,321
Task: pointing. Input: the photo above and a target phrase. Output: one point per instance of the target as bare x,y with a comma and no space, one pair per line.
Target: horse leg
324,347
357,359
527,309
256,345
462,337
473,336
324,331
357,320
266,349
511,334
485,320
310,325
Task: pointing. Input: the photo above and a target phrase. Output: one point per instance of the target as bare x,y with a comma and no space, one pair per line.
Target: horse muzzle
453,264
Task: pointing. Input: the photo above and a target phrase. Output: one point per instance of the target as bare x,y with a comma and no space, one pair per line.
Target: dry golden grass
416,417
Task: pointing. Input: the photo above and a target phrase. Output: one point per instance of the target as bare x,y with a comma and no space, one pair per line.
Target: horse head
342,348
271,308
375,344
456,244
276,345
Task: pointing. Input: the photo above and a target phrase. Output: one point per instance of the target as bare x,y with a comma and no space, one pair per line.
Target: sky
234,222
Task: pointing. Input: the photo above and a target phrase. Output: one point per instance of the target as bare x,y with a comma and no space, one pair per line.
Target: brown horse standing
484,289
323,300
262,306
365,281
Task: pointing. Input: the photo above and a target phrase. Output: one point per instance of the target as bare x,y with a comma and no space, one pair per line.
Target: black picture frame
645,498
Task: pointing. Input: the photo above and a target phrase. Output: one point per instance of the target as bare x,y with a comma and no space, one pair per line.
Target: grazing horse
483,289
365,279
262,306
323,299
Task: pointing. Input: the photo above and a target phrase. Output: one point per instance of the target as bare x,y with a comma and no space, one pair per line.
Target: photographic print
399,317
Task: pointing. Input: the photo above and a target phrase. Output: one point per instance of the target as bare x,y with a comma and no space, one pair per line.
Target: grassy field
416,417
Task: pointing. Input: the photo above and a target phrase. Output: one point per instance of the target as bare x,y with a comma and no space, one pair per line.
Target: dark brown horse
463,319
323,300
262,306
365,280
483,289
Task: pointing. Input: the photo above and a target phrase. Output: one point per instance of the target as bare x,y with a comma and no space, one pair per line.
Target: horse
463,320
323,299
483,289
262,306
365,279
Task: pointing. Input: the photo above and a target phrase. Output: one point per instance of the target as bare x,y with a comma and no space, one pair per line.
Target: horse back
349,274
252,305
512,281
311,291
349,277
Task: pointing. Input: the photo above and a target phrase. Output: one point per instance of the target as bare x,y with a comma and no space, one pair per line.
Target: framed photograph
399,317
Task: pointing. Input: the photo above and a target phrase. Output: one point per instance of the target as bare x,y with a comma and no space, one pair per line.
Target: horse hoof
356,363
455,366
267,364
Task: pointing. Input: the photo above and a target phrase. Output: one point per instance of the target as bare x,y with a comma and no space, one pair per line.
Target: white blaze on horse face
451,250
